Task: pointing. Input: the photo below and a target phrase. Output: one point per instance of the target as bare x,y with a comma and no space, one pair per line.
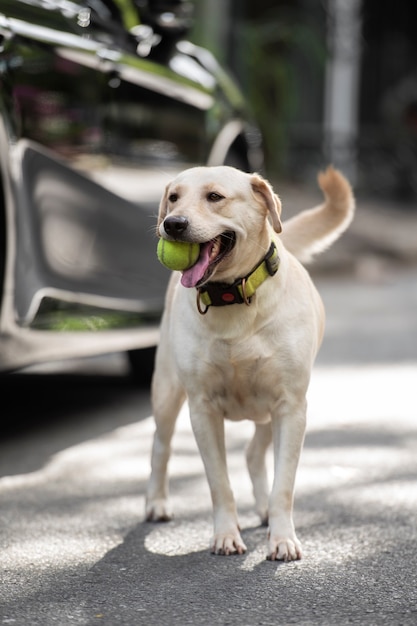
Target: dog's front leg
209,434
288,435
167,399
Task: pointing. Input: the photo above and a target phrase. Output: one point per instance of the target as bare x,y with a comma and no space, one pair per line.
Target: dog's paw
158,511
284,549
227,543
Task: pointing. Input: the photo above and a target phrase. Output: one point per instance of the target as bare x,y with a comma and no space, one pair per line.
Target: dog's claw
163,518
225,545
284,550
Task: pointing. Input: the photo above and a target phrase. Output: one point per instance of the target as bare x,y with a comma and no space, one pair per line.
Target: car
99,109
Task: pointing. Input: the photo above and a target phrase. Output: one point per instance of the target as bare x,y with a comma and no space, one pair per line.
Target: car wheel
141,365
237,156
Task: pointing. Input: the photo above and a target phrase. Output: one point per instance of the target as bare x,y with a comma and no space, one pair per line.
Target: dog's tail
312,231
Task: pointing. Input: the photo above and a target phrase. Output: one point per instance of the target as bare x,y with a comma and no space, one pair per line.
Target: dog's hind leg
255,459
288,429
168,397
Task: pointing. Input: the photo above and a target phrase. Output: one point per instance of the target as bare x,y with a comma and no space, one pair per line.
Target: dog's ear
163,208
272,202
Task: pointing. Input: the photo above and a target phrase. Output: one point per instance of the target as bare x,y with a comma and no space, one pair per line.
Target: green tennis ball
177,255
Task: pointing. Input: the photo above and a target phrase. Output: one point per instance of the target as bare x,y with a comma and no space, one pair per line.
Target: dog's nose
175,225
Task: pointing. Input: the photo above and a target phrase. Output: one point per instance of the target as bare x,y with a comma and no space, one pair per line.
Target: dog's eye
173,197
214,197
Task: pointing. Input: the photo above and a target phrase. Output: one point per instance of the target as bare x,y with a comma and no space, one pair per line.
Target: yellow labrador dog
239,335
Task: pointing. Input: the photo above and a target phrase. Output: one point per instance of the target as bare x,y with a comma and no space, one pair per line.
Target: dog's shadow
165,569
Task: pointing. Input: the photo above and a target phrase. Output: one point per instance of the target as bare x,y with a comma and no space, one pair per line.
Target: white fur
243,362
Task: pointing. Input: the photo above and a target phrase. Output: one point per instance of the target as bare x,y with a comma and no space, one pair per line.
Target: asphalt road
73,469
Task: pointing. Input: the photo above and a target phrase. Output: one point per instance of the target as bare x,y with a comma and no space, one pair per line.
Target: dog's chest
240,382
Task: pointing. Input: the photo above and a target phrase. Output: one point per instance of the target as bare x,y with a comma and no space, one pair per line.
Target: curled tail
314,230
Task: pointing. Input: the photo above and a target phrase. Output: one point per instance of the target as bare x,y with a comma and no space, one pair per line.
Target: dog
239,334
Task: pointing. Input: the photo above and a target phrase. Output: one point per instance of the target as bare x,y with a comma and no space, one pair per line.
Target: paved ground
75,549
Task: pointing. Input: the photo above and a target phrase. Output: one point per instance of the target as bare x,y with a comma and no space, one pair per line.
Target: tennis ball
177,255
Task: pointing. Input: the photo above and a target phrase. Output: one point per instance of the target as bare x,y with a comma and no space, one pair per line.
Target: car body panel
90,133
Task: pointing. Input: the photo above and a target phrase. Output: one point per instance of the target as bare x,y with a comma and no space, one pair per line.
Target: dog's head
228,212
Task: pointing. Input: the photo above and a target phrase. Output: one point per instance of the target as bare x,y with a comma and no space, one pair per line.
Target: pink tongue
194,274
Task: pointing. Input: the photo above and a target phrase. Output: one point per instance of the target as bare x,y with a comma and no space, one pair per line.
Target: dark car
99,108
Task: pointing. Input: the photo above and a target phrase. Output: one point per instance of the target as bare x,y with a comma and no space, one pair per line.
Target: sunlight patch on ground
179,537
373,394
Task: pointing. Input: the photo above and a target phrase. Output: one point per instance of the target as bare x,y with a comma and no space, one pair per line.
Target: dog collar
242,290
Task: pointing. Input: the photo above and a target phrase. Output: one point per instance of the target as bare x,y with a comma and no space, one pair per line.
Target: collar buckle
222,294
272,260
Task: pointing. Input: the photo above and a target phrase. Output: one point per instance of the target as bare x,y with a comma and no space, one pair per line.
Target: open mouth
211,254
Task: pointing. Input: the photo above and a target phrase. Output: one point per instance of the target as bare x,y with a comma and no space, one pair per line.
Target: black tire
141,365
238,159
